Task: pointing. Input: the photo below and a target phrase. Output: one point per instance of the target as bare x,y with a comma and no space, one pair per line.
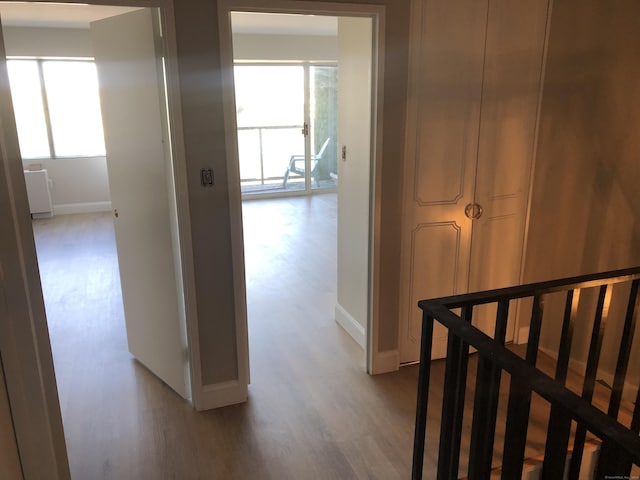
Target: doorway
89,134
151,204
314,157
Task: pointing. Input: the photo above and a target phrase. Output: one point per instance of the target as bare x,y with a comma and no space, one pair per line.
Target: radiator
38,192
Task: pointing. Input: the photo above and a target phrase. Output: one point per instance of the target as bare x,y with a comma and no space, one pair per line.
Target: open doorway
338,46
107,188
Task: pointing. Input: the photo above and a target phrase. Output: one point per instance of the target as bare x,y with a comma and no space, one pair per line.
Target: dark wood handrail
538,288
595,420
620,445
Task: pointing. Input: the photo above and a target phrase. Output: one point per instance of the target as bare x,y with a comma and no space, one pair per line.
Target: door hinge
305,129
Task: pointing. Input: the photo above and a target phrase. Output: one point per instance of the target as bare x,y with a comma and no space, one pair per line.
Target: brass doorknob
473,211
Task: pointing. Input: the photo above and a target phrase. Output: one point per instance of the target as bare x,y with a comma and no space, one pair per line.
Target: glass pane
324,126
269,95
74,108
26,93
278,145
249,153
270,115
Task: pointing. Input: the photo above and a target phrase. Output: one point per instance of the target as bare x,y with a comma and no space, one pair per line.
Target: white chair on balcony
297,164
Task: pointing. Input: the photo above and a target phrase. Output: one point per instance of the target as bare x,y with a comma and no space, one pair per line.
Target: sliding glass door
287,127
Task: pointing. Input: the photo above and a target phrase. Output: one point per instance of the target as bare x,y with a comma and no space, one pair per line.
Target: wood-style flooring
313,412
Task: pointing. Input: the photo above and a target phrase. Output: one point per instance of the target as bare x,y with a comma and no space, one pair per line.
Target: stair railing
620,446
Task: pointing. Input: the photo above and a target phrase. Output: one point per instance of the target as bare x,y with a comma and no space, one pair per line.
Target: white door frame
377,14
26,348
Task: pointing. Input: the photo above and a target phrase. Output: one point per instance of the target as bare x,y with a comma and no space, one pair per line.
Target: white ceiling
60,15
23,14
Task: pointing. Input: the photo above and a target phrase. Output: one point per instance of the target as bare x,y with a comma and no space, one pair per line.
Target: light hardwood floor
312,412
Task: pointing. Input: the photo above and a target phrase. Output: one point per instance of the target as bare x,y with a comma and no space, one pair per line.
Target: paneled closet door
445,94
510,98
473,106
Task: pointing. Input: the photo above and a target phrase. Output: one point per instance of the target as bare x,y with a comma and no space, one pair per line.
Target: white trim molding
222,395
351,325
89,207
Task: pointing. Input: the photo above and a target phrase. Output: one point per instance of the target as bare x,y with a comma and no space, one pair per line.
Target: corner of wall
385,362
351,325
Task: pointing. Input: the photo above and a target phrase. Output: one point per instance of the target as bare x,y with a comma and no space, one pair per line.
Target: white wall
585,207
81,184
78,184
47,42
314,48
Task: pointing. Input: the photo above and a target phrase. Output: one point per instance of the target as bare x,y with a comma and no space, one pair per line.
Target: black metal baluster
595,346
423,396
485,405
635,420
624,351
559,428
555,452
515,437
611,461
455,379
566,336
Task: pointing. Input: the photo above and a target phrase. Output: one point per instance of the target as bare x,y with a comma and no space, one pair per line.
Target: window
57,107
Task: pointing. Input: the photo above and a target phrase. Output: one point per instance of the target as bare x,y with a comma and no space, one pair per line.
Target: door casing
377,13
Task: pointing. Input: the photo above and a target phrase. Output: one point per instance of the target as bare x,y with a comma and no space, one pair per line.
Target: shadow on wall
585,201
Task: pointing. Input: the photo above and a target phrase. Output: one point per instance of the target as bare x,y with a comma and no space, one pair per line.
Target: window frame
45,103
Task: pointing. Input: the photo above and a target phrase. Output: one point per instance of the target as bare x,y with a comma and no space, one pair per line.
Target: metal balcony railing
272,160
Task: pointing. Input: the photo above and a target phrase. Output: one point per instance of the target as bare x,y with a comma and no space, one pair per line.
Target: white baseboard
37,216
88,207
629,391
351,325
220,395
385,362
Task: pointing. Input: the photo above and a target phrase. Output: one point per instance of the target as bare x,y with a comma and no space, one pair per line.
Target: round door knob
473,211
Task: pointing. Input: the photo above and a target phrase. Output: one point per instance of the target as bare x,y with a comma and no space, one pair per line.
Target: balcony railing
620,447
265,151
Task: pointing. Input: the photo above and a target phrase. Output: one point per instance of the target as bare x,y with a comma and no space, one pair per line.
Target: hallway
312,412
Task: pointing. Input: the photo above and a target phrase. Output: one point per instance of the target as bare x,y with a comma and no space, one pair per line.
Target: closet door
445,94
510,98
473,102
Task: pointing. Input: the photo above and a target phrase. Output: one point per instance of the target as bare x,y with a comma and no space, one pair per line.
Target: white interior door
140,180
444,111
471,137
513,62
354,136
